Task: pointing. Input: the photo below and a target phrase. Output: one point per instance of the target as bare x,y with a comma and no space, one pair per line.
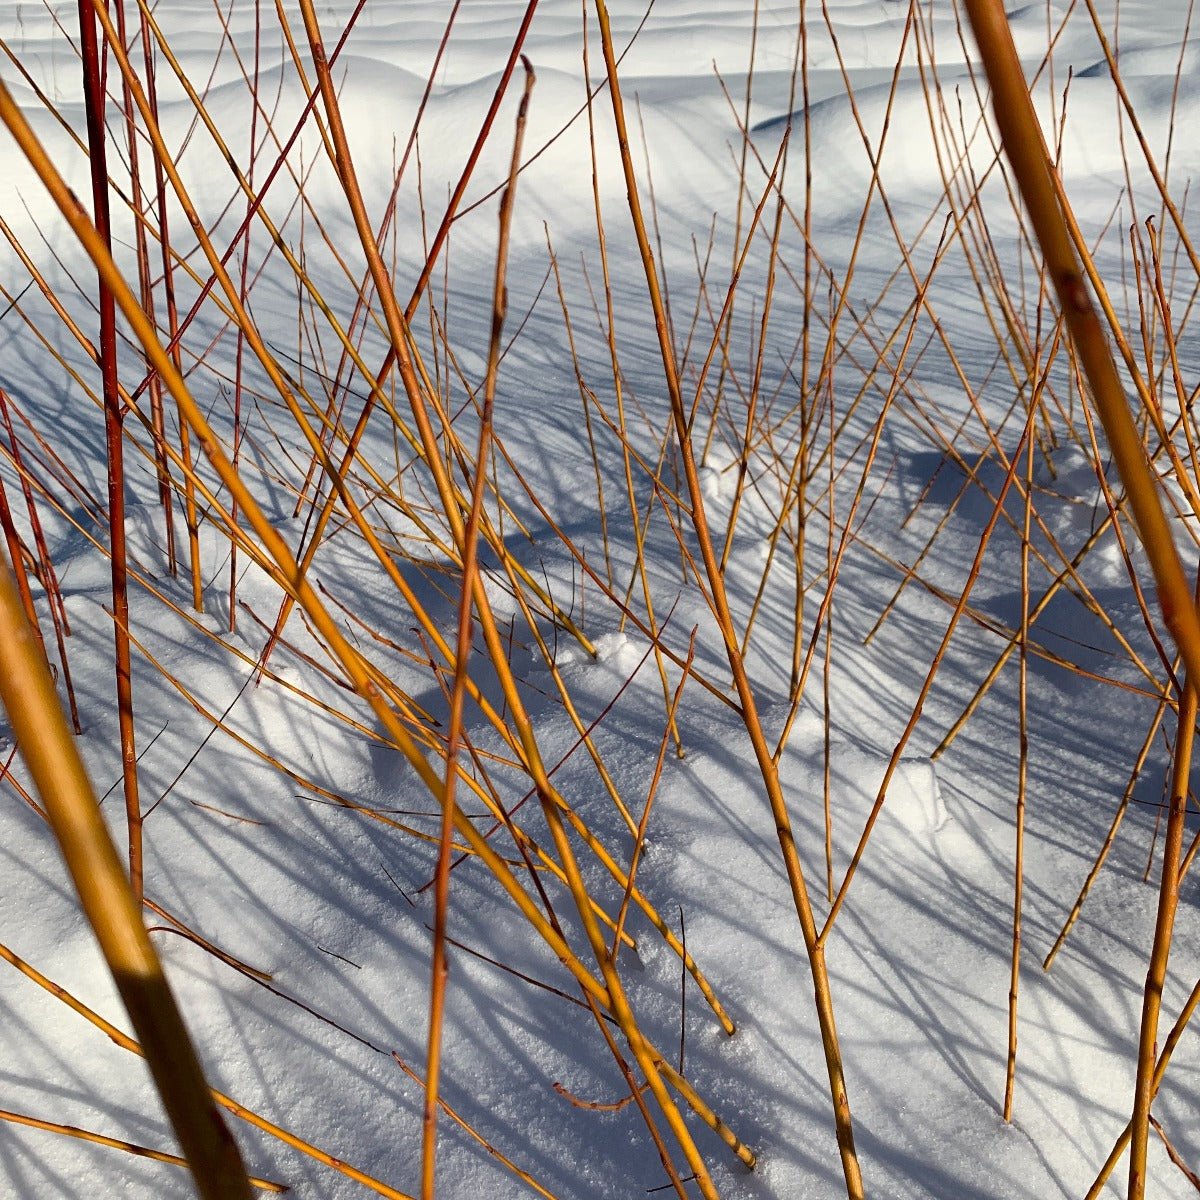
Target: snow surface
329,902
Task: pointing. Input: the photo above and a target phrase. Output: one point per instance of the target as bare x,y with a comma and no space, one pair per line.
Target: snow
252,842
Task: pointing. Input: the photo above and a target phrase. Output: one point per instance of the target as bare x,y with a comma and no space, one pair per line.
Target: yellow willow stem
108,901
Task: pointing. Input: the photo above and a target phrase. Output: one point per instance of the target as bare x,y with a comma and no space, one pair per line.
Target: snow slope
331,904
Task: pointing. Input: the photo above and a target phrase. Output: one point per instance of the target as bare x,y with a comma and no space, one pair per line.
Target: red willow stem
114,416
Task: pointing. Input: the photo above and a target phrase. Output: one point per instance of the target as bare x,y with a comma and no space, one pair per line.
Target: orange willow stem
1160,1069
1014,984
58,609
100,1139
191,513
20,575
110,905
462,655
114,417
357,669
1026,150
122,1039
721,611
140,205
1156,973
610,992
